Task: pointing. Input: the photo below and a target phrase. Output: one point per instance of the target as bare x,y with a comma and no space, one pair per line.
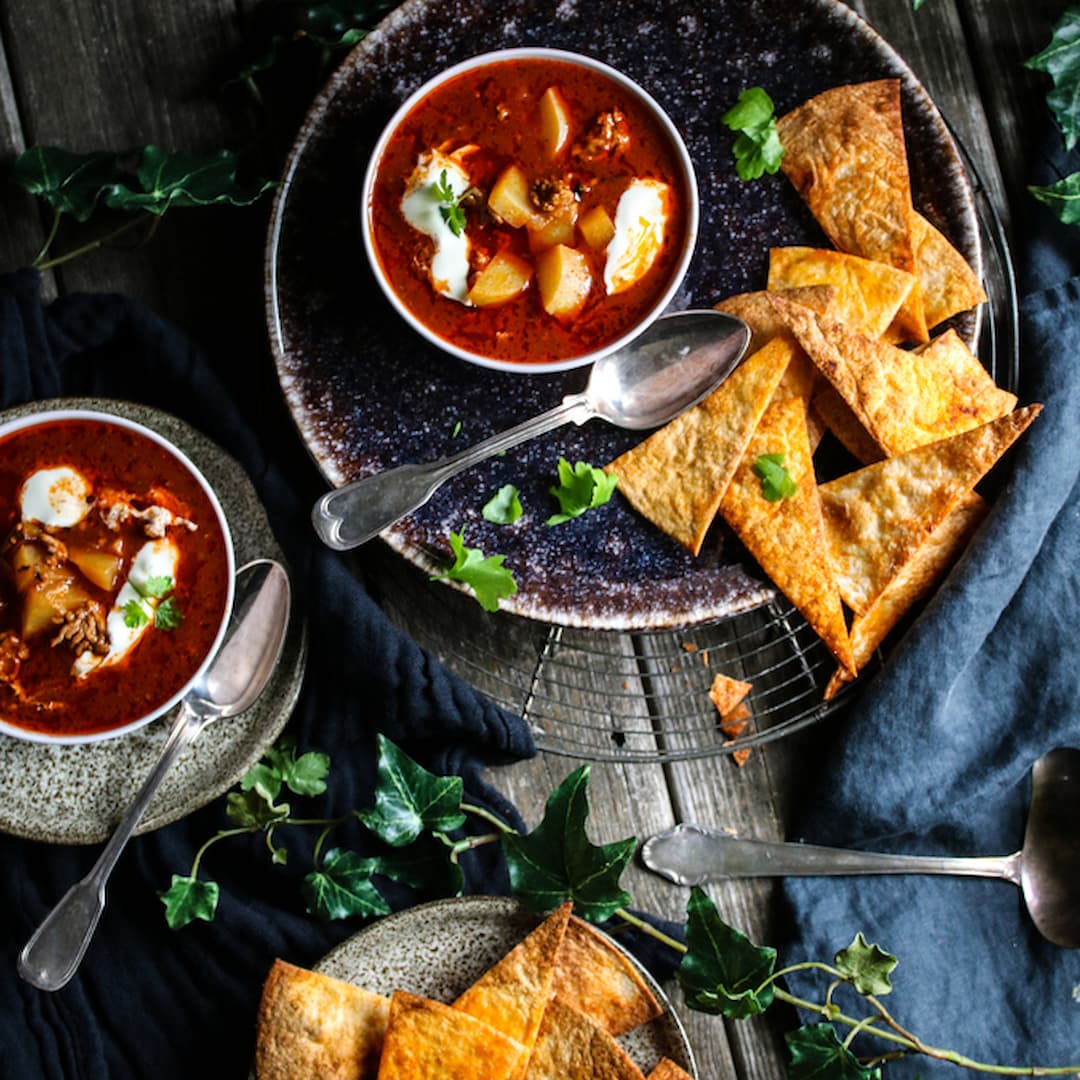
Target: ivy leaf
757,147
504,507
486,576
1061,61
251,810
70,183
817,1054
776,482
1063,198
342,887
722,968
188,899
180,179
264,779
410,800
867,966
581,487
556,862
425,866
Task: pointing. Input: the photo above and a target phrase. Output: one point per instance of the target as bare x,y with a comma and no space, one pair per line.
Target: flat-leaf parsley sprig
757,147
166,612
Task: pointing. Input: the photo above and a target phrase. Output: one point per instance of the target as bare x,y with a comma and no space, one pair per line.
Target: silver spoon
671,366
1047,868
233,681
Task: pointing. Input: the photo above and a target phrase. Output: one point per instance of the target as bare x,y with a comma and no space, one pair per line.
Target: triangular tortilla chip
903,399
668,1070
868,293
313,1025
726,693
787,537
755,310
597,979
877,518
571,1045
677,476
835,413
512,995
914,581
426,1038
947,282
844,152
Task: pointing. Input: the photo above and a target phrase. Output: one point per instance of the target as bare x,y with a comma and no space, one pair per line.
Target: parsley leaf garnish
486,576
504,507
776,482
157,587
581,487
451,210
135,614
167,615
757,147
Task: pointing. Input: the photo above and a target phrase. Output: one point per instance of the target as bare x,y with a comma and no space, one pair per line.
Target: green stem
471,842
648,928
84,248
319,843
48,239
865,1024
490,818
213,840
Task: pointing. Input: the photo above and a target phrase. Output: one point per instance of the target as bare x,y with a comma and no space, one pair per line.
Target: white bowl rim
529,52
56,415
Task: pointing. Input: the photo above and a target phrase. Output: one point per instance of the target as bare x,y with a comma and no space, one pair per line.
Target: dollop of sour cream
640,223
56,497
158,558
420,206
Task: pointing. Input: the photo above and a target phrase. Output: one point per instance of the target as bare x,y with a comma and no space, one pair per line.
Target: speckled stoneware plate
439,949
367,393
76,794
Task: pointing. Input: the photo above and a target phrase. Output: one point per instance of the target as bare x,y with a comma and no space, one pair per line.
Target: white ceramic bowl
135,722
650,105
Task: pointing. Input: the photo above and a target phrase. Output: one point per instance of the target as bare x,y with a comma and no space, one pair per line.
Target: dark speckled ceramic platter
439,949
76,794
367,393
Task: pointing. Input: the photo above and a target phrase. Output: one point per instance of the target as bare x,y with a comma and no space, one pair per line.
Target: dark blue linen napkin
148,1001
935,758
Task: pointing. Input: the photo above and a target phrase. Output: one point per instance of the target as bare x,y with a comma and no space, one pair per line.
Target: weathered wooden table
90,74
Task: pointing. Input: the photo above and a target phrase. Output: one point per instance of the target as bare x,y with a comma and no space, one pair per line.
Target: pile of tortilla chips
550,1008
926,421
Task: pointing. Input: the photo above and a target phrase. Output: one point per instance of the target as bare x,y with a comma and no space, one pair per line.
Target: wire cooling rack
643,696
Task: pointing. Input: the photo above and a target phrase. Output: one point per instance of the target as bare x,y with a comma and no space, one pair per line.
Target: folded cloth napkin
935,758
148,1001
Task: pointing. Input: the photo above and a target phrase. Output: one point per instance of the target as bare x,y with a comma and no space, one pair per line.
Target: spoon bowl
1047,867
679,360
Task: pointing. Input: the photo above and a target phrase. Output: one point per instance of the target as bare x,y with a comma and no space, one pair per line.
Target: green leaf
263,778
252,810
337,23
409,799
180,179
156,587
581,487
70,183
916,4
1061,61
425,865
556,862
135,614
486,576
188,899
342,887
722,971
1063,198
817,1054
757,147
504,507
303,775
167,615
776,482
867,966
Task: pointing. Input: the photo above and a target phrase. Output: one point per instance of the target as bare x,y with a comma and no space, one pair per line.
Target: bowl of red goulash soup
530,210
116,576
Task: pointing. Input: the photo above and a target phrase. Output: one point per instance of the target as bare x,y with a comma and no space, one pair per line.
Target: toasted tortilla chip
844,152
726,693
755,310
836,415
735,722
929,563
868,293
512,995
595,978
666,1069
903,399
787,537
947,282
426,1038
571,1045
878,517
677,476
312,1025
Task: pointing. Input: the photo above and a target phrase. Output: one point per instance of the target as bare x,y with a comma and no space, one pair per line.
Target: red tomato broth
466,111
158,666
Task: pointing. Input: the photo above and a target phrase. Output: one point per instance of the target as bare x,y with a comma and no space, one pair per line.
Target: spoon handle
53,954
691,855
351,515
